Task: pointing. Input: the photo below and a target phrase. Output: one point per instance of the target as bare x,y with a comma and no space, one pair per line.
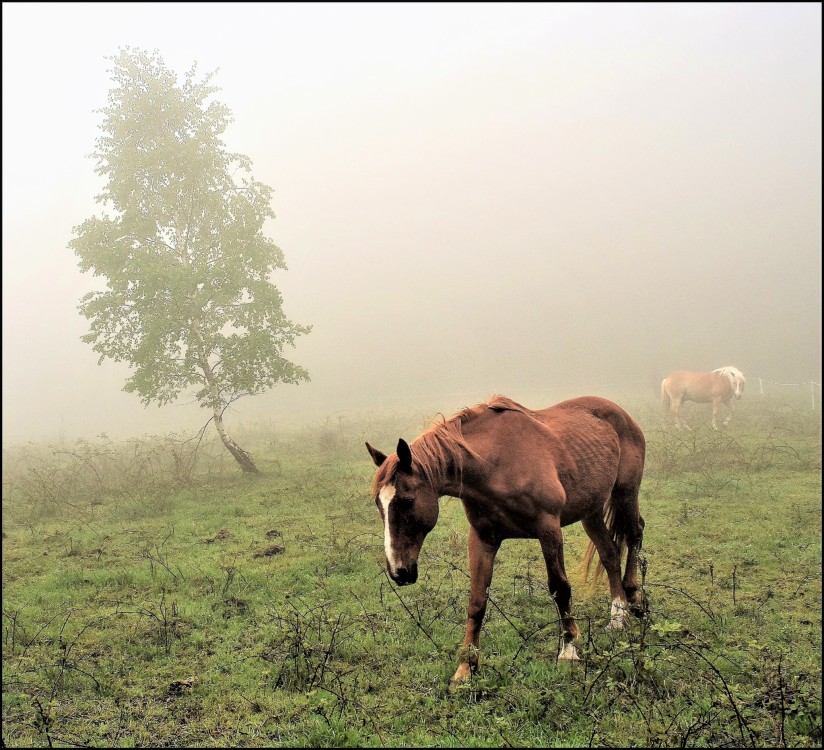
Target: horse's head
408,505
738,386
736,381
735,378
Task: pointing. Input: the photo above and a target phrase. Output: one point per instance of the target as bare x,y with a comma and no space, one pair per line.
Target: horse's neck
454,485
727,382
460,473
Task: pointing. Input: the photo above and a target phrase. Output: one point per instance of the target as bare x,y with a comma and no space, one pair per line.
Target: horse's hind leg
610,556
676,412
481,561
552,545
632,589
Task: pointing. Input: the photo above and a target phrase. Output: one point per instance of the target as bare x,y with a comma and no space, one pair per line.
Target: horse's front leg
731,405
481,561
715,404
552,545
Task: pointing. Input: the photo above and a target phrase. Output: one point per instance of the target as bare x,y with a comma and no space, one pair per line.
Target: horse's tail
587,562
625,525
665,397
618,535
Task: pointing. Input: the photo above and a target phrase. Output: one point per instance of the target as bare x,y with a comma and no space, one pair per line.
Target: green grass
151,599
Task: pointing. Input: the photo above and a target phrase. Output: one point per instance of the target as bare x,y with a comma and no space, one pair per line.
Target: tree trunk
241,456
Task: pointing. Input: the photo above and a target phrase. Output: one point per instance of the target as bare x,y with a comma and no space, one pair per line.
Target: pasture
153,595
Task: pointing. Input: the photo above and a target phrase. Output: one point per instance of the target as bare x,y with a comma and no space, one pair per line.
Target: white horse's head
736,378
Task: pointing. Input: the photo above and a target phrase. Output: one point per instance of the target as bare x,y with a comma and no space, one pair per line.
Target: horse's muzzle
404,576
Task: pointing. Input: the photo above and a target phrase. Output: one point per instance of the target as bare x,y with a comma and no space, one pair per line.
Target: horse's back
603,409
581,437
591,417
678,380
697,386
578,413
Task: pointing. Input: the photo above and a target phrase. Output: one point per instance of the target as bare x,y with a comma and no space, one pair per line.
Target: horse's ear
377,456
404,455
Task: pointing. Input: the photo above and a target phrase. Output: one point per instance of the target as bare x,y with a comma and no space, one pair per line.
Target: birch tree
189,302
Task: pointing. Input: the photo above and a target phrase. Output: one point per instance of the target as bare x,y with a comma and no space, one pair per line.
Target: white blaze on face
385,496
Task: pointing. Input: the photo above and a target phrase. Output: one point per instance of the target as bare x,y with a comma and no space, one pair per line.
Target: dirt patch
231,606
178,687
275,549
222,534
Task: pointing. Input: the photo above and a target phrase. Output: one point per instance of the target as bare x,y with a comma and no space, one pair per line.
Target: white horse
718,386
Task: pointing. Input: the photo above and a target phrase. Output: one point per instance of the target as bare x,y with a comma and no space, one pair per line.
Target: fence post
812,393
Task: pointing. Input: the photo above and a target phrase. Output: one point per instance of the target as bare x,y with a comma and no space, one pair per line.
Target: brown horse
520,474
718,386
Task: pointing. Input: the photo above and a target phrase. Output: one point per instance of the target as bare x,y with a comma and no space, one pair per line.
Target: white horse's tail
665,397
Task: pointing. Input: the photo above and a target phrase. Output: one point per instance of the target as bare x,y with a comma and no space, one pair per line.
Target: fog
538,200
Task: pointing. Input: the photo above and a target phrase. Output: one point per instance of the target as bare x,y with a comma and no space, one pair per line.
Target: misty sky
471,198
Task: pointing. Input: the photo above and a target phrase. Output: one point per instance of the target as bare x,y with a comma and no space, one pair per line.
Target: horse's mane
502,403
733,374
443,444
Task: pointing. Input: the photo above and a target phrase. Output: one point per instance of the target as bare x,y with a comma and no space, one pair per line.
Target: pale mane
733,374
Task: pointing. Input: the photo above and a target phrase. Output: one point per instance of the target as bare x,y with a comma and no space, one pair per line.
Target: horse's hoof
461,677
568,653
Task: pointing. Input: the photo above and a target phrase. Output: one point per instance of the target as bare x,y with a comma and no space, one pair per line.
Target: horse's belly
571,515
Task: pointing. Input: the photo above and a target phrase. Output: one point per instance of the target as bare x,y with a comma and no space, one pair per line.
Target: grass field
153,595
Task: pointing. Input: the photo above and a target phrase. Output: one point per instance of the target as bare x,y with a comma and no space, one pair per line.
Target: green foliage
208,607
188,301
